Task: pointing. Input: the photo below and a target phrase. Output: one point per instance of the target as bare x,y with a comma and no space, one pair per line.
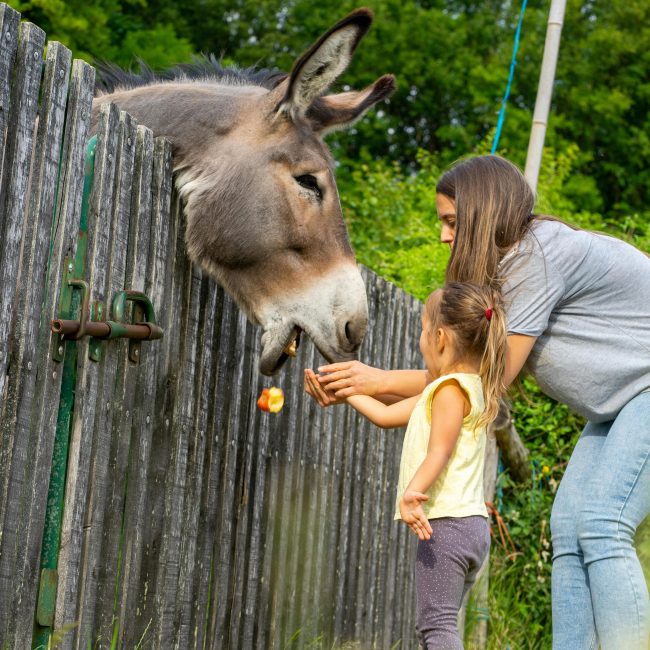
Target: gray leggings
445,568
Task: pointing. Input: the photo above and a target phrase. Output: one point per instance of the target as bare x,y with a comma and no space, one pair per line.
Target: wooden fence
149,503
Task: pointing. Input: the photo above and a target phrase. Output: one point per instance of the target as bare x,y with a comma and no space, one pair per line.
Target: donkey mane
205,67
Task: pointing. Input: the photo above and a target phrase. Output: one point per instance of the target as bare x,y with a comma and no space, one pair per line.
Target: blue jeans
599,592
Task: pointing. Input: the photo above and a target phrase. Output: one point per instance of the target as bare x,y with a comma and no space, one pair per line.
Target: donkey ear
334,112
324,61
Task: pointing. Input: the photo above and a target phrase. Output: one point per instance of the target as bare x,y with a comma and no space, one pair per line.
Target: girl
578,312
440,493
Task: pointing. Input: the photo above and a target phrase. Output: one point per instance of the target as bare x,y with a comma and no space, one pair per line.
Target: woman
578,312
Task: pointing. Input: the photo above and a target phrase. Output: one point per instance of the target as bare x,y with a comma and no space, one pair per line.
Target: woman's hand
412,513
313,388
351,378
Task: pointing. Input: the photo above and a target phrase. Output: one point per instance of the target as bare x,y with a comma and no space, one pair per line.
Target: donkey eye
309,182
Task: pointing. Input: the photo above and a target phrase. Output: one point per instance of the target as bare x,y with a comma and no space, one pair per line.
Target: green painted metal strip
46,597
56,492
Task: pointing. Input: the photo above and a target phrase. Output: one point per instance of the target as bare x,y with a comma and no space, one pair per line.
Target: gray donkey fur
257,181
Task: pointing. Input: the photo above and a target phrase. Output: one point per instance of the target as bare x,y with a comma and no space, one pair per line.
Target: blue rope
513,64
500,470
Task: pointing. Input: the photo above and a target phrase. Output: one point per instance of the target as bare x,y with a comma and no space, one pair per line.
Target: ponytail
493,360
476,316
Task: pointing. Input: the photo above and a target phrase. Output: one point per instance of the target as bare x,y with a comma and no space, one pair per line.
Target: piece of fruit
271,400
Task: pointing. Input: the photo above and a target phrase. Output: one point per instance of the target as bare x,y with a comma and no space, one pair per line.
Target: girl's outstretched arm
448,409
386,416
348,378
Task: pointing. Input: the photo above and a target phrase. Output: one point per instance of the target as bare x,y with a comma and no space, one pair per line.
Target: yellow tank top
458,491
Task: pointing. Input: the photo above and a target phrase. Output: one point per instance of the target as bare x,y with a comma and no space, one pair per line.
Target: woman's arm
517,352
349,378
355,378
385,416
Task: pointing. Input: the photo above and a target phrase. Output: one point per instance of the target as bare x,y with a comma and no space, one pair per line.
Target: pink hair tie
488,313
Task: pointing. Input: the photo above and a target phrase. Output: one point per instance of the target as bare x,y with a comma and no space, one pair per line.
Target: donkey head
265,217
262,207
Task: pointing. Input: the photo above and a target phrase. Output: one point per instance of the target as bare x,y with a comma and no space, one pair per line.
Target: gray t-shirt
587,297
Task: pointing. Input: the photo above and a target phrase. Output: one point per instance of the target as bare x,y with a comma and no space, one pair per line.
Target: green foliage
451,59
393,224
159,47
114,30
80,25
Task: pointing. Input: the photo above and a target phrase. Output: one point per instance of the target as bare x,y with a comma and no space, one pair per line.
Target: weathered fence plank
33,446
308,605
48,383
118,396
228,381
191,559
100,547
203,577
146,269
270,519
296,498
317,583
21,124
242,496
167,585
23,106
27,243
383,445
156,416
131,245
88,381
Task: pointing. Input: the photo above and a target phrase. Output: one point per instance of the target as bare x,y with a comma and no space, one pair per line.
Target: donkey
258,187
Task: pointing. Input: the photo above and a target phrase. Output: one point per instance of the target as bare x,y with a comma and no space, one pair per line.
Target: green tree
111,30
451,59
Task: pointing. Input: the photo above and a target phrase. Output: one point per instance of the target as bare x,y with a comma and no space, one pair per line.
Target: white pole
544,92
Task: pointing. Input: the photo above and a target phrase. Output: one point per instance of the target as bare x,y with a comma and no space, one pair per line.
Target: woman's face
447,214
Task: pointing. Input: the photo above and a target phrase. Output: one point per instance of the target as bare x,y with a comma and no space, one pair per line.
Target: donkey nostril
351,333
348,332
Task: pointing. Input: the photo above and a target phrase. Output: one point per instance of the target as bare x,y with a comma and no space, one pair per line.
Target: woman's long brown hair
494,206
476,317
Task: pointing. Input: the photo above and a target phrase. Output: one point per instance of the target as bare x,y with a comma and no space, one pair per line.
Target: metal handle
142,330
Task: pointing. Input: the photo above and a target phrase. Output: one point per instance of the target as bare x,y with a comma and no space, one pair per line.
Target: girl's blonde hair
476,317
494,210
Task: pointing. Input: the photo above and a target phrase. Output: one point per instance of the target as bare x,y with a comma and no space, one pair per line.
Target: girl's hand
313,388
351,378
410,508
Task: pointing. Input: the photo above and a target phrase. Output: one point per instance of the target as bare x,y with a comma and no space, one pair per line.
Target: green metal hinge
66,308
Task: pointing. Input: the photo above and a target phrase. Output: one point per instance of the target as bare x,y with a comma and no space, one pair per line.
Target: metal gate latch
143,327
